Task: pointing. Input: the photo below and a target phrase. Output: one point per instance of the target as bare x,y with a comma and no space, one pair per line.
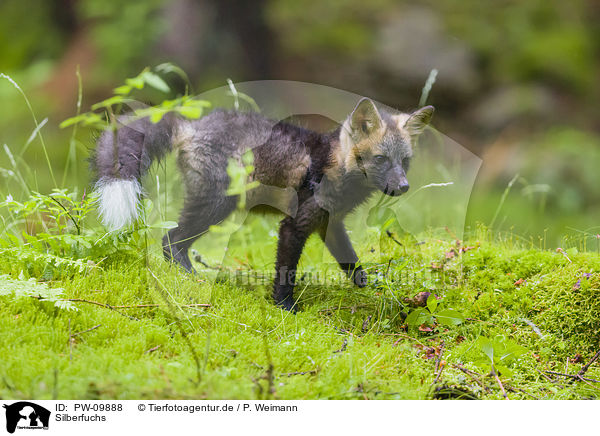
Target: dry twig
137,306
585,367
85,331
352,308
133,306
513,389
495,374
572,376
579,376
474,375
545,376
153,349
81,300
289,374
438,370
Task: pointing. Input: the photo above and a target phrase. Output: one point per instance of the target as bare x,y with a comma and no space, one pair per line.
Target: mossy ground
344,343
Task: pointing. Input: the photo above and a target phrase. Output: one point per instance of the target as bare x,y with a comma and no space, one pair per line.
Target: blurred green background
518,82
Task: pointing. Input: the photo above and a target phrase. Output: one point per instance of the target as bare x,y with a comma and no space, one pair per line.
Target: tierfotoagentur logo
26,415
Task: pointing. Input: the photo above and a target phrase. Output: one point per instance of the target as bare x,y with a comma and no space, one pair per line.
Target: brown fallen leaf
465,249
420,300
425,328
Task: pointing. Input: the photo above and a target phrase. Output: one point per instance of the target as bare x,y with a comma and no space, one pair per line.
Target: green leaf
248,157
155,81
122,90
157,115
512,351
84,242
419,316
196,103
432,303
24,288
164,225
136,82
87,119
114,100
190,112
503,370
449,317
170,68
379,215
486,346
147,205
413,317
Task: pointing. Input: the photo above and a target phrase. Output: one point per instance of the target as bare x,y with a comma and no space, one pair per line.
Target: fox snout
397,184
395,192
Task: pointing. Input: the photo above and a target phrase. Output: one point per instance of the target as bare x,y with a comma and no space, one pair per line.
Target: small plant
498,353
51,236
51,223
434,313
185,105
239,174
23,288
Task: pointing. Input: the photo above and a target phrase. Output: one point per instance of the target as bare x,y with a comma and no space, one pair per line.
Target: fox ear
418,120
365,117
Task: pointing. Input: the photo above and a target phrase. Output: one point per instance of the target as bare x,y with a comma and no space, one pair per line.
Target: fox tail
121,158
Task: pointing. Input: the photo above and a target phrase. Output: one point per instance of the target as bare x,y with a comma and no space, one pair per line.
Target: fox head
379,145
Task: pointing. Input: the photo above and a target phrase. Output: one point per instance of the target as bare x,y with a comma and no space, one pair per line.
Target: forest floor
479,319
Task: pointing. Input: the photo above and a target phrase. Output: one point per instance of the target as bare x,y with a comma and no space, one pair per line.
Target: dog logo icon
26,415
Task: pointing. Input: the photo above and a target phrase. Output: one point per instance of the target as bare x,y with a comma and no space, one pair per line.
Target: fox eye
380,159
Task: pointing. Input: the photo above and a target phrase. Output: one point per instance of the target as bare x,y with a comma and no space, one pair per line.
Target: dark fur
329,174
139,143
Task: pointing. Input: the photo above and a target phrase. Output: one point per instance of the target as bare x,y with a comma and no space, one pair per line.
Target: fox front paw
288,304
360,277
285,300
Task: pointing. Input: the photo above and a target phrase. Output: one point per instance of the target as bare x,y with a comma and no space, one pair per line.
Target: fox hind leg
197,216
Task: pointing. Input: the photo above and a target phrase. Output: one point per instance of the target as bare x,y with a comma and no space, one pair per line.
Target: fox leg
197,216
293,233
339,245
289,248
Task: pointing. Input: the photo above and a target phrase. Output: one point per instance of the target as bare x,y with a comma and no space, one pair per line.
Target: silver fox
330,173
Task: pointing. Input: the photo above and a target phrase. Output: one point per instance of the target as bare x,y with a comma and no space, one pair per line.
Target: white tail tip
119,202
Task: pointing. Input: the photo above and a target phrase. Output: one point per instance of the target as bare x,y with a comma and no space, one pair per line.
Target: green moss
345,343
